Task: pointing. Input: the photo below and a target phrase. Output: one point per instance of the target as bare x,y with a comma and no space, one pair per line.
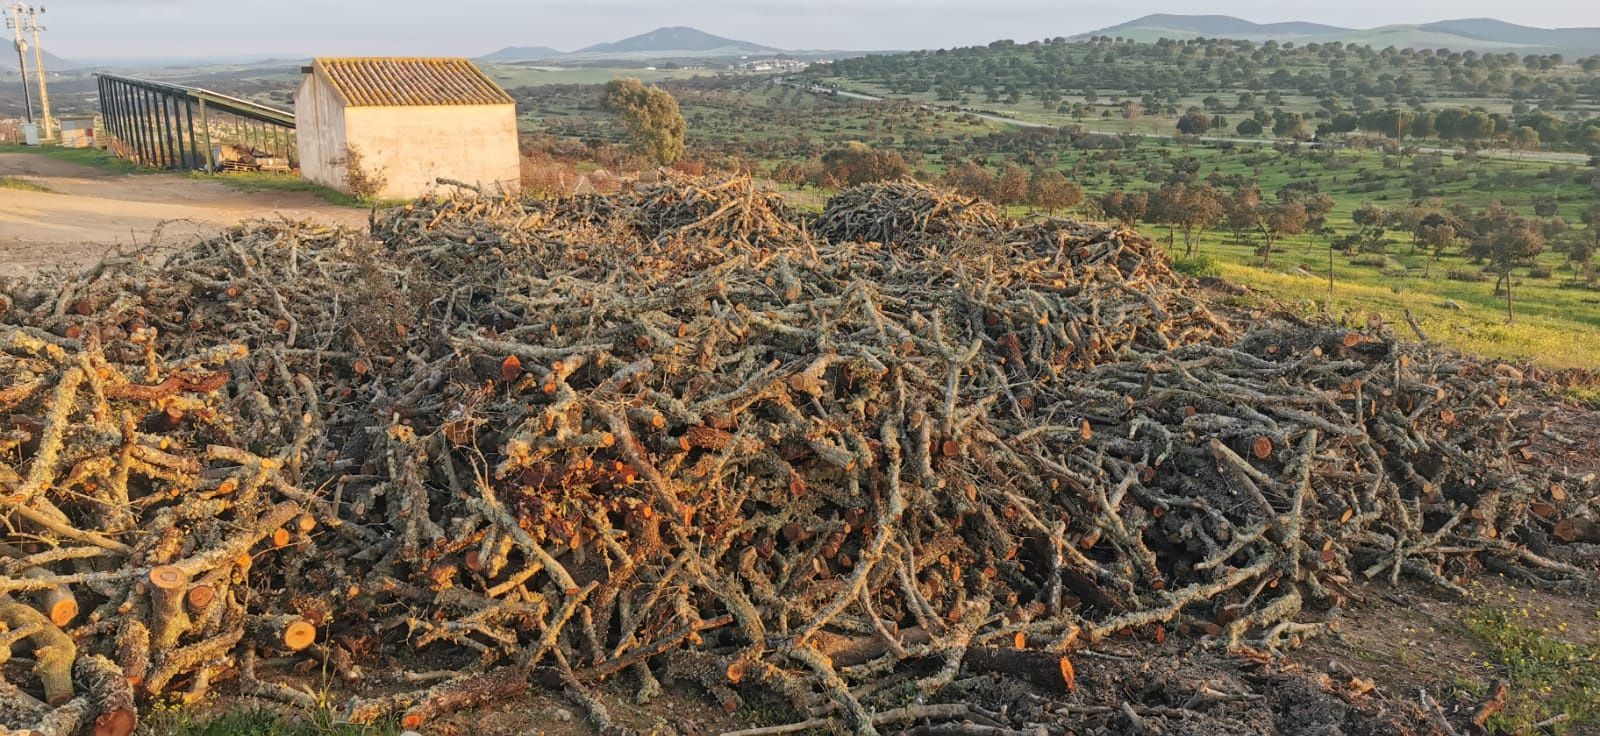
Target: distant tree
1280,220
1546,205
1580,249
1553,228
1127,208
797,173
656,128
1438,232
1012,186
1289,125
1241,211
1370,215
1248,126
968,178
857,163
1507,239
1192,209
1194,123
1524,138
1052,191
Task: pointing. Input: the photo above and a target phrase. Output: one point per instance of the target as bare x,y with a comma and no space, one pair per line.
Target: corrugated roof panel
411,81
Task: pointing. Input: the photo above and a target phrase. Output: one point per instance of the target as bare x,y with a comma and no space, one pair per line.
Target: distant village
776,65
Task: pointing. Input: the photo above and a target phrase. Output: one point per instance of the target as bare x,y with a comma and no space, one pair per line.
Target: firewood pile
493,447
906,213
735,210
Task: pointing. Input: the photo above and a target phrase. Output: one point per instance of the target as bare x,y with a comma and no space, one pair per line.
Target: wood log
1048,670
168,619
53,651
1491,705
1577,529
111,695
65,720
133,651
285,632
57,601
467,692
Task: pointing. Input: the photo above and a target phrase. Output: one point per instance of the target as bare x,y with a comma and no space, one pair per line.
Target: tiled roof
403,82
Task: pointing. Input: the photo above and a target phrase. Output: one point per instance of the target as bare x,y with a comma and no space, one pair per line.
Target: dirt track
89,212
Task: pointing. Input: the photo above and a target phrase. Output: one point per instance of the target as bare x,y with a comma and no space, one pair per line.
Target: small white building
409,122
77,131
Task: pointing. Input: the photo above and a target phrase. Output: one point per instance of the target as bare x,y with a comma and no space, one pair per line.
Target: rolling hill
661,43
523,53
52,63
1216,26
676,39
1478,34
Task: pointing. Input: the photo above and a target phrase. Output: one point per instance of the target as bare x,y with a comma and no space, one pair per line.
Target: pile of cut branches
734,210
133,528
826,471
905,213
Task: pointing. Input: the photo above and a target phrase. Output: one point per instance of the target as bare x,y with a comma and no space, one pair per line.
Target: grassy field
1557,320
262,181
1145,87
22,185
94,157
1540,652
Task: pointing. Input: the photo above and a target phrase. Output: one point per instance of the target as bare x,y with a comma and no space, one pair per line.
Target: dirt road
88,212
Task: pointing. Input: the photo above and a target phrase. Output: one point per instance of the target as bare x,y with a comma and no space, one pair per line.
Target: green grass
1200,266
1584,395
11,182
1542,334
1549,673
262,181
103,160
253,722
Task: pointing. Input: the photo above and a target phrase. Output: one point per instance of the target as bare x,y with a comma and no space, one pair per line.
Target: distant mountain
1490,29
676,40
1478,34
523,53
1217,26
52,63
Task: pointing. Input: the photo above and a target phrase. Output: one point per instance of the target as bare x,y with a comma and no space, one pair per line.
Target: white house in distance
410,120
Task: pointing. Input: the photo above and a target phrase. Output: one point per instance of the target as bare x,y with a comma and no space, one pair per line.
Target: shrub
1376,261
364,183
1198,266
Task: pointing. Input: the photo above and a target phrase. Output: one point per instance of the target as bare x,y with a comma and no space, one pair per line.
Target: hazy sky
126,29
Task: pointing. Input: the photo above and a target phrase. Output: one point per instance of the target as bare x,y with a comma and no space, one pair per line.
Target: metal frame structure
170,126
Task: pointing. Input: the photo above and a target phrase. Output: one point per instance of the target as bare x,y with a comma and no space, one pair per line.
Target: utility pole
38,69
14,22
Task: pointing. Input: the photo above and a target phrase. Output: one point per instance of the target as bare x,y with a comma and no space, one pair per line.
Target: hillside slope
674,39
1478,34
52,63
522,53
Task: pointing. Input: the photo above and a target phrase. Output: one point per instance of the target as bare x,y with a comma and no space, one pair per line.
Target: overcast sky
128,29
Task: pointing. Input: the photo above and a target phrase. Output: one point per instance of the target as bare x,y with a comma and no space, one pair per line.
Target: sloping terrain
1478,34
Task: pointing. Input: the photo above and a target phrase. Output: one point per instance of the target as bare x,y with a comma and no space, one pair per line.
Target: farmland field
765,127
